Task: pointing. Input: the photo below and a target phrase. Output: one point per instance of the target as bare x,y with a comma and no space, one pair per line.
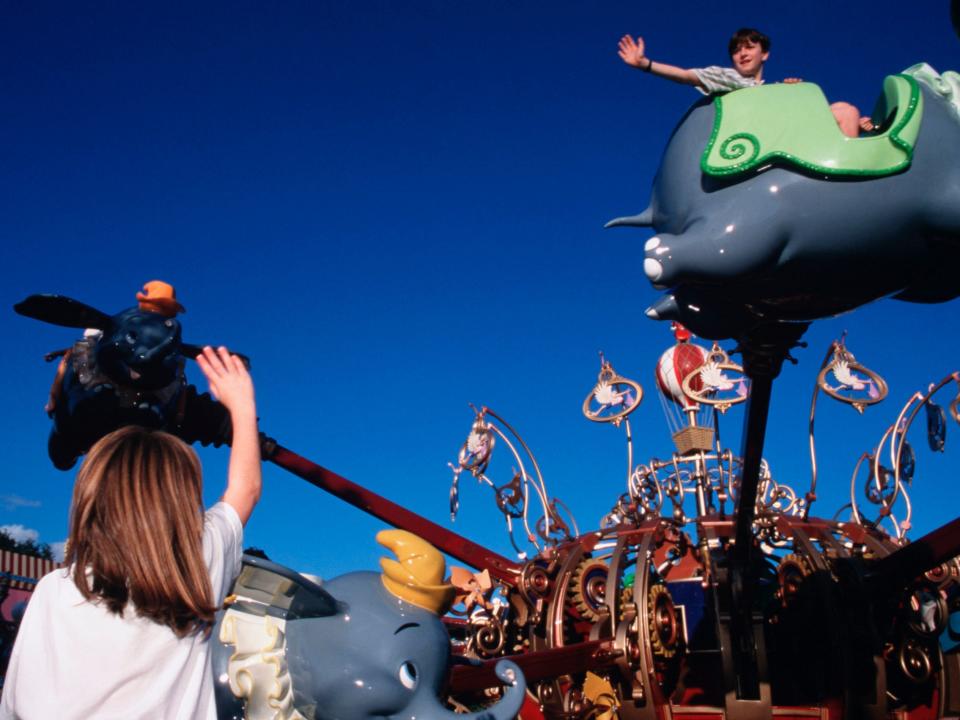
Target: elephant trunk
507,708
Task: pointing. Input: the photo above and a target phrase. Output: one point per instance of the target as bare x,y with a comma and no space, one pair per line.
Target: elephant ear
191,351
64,311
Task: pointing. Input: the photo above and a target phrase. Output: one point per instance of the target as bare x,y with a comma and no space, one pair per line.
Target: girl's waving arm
230,383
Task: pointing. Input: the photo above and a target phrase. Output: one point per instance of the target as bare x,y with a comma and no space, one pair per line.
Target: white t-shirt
716,79
74,659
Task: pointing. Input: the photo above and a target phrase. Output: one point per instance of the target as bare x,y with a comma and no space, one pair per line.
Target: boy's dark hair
748,35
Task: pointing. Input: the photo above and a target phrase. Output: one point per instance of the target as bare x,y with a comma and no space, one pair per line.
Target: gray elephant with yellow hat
363,645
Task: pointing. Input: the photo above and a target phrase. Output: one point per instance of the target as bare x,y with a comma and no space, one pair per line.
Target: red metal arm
447,542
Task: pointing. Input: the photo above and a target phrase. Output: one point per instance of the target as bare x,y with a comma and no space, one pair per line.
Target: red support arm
450,543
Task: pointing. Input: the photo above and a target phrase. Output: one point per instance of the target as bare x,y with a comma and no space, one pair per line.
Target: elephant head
364,645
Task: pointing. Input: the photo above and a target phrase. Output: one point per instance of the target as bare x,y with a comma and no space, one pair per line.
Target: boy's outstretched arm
632,52
230,383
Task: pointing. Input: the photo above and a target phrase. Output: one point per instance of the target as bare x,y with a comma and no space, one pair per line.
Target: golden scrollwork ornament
719,382
613,397
846,380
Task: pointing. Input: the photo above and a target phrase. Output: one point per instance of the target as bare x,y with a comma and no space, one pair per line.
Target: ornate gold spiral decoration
490,638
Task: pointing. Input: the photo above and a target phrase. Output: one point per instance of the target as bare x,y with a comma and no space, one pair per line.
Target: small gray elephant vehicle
363,645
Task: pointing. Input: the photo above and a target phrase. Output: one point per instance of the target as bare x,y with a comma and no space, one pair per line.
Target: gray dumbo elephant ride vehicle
363,645
765,212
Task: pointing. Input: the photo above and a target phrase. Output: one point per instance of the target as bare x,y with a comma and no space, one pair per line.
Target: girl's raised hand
229,379
230,383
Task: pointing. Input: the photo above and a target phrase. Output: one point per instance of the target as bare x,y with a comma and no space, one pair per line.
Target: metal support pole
764,349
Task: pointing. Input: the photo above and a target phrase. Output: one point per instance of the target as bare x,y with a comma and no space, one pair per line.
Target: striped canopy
24,571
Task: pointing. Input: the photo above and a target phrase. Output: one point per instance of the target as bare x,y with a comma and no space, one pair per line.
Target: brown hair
136,530
744,35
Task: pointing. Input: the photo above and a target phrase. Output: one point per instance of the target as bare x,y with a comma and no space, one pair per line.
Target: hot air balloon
685,358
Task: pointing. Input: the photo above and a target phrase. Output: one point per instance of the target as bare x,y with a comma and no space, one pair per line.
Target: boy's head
749,50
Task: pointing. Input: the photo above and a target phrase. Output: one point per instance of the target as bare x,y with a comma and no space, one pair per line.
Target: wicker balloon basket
693,439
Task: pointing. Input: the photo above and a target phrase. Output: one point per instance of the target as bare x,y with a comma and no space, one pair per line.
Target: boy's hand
632,51
792,81
866,124
230,382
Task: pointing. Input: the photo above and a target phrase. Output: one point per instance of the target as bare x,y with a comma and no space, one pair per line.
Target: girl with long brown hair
123,632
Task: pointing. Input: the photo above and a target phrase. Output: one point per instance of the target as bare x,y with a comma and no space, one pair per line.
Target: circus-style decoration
549,521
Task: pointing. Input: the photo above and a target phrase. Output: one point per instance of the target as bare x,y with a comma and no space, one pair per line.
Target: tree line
27,547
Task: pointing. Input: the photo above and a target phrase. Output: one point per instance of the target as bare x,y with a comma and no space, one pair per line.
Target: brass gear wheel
588,588
662,621
790,573
626,601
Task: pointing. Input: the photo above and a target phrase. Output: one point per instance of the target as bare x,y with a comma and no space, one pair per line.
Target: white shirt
74,659
716,79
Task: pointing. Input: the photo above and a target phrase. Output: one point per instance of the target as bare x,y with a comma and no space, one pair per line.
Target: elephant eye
408,675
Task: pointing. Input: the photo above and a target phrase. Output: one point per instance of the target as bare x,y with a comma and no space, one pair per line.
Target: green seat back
792,124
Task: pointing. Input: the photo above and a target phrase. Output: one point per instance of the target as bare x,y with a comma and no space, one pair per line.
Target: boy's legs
848,118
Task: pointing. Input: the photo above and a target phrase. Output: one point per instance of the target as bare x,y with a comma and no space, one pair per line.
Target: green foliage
27,547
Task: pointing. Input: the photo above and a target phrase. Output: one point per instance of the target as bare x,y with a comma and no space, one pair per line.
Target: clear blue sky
396,209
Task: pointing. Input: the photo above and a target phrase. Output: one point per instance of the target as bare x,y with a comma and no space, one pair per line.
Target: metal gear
588,587
790,573
662,621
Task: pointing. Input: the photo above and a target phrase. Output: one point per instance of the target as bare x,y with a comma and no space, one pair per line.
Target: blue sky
396,209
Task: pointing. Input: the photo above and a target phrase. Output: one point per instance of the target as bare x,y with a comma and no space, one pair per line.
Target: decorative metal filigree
613,397
955,405
718,382
662,488
629,583
881,489
846,380
611,401
513,498
886,485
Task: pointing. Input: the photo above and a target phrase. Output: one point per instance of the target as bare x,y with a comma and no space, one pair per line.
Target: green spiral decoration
736,146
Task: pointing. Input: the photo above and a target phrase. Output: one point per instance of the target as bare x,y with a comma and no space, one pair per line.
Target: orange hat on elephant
159,297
